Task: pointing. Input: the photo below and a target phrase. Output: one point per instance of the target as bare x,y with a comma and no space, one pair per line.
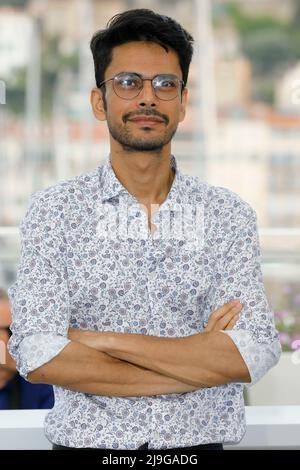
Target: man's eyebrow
148,76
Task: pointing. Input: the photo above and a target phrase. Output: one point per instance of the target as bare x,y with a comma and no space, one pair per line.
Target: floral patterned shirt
72,275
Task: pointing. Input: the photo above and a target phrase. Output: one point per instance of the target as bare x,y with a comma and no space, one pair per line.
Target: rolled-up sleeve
39,297
238,275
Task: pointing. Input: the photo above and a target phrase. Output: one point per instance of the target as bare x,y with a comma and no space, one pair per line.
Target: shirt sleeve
238,275
39,297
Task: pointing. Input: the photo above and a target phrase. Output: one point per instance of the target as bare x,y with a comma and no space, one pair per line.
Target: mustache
145,112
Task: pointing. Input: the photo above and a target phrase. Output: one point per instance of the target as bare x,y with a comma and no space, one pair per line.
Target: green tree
53,63
271,45
14,3
269,50
15,93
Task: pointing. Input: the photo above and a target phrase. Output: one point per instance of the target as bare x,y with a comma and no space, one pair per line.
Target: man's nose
147,95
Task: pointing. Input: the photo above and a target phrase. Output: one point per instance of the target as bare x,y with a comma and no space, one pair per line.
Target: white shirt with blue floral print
71,275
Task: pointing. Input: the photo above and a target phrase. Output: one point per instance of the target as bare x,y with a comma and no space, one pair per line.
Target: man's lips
148,120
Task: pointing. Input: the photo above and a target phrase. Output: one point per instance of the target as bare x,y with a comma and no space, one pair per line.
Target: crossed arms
121,364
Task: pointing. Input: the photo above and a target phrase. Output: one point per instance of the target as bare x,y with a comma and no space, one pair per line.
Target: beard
145,143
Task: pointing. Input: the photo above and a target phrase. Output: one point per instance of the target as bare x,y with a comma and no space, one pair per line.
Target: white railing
268,427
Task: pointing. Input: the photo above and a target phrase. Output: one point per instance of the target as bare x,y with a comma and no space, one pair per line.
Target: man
15,392
7,364
137,329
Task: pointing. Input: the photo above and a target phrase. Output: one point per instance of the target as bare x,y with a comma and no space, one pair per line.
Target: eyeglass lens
129,85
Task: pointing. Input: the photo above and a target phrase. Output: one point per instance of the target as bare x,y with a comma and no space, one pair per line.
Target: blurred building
15,30
287,96
233,83
253,153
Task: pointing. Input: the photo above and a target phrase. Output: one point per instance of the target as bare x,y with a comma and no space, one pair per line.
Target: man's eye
128,83
167,84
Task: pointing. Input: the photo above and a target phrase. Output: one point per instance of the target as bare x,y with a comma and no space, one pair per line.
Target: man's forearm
203,360
81,368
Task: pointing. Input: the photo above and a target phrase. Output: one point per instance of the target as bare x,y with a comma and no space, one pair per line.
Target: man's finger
225,309
220,322
220,312
223,322
232,322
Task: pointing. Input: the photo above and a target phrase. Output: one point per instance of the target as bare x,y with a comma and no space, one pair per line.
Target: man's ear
97,104
183,104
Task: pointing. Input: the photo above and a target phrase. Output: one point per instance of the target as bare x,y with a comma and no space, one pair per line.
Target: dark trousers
145,446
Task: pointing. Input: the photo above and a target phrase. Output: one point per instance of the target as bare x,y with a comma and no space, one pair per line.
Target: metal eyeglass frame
181,82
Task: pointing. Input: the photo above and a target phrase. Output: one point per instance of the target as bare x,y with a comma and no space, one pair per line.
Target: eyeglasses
128,85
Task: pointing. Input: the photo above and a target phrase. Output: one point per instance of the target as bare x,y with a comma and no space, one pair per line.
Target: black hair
141,25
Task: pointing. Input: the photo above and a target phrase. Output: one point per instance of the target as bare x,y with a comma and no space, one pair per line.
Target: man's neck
148,177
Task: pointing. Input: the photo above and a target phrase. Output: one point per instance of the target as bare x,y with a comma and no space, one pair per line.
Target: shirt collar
112,187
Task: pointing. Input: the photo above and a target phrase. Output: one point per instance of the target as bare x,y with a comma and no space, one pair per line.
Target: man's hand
225,317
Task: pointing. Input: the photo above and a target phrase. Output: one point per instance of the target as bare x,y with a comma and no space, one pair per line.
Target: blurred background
242,128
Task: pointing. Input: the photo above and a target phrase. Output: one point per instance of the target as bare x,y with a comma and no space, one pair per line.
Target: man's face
149,60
